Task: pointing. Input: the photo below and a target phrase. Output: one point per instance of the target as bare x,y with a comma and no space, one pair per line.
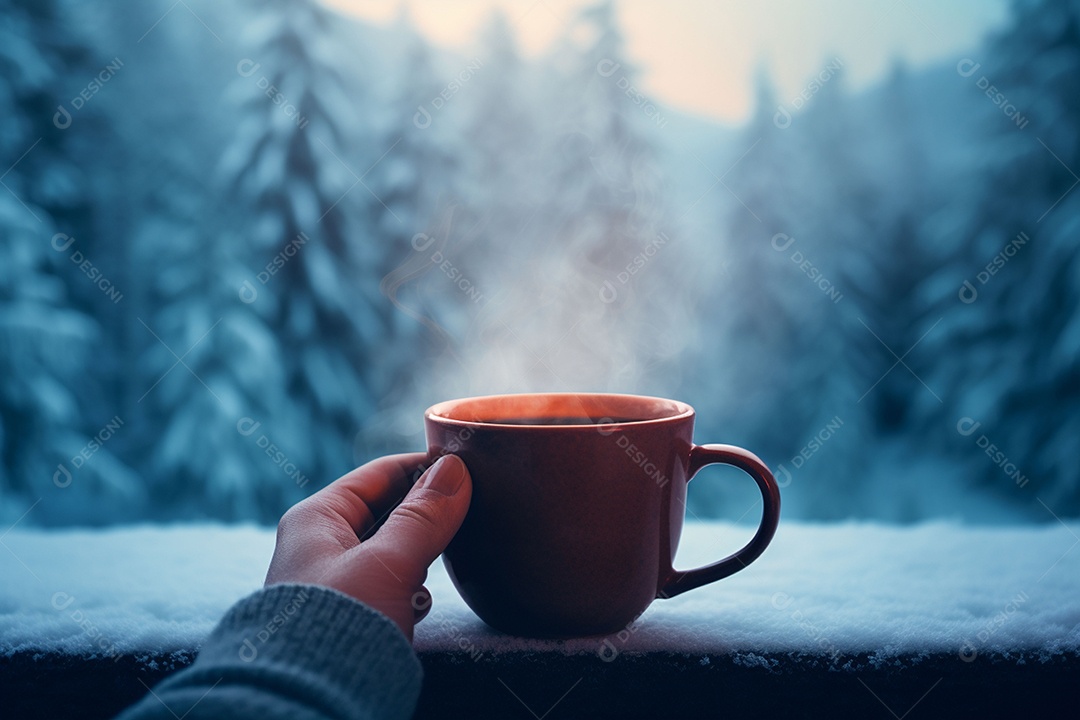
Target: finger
362,497
423,524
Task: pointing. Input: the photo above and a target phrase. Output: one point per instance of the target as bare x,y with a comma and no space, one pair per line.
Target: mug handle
701,455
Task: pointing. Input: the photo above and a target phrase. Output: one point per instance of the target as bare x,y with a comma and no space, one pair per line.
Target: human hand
318,539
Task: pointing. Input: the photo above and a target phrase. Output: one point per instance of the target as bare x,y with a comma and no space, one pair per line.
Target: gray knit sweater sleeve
293,651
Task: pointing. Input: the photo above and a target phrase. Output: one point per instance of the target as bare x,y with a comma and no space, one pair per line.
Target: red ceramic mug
577,507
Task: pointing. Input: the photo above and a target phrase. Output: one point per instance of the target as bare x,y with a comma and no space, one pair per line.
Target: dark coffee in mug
577,507
559,421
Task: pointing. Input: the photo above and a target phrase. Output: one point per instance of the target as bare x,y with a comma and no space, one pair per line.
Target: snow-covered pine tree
504,157
413,215
290,336
1008,353
751,309
47,340
496,223
413,175
785,377
770,313
213,410
884,260
622,215
501,127
605,175
151,147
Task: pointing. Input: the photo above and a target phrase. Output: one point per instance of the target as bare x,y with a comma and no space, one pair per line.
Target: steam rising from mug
547,329
594,297
586,298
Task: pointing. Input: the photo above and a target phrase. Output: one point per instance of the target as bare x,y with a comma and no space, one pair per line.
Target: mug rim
435,412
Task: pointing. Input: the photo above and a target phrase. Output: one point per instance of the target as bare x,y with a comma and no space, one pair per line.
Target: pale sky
700,56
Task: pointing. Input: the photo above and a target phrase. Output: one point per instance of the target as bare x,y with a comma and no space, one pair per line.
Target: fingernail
446,475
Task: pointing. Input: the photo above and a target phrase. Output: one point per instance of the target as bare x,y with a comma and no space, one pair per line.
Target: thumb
421,527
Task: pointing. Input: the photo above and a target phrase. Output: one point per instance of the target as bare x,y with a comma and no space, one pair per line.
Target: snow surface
830,590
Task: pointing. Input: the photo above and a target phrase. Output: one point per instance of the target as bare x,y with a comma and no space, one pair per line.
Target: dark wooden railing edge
46,684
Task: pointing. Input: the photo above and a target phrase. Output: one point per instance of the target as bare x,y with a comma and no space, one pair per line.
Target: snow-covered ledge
834,619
